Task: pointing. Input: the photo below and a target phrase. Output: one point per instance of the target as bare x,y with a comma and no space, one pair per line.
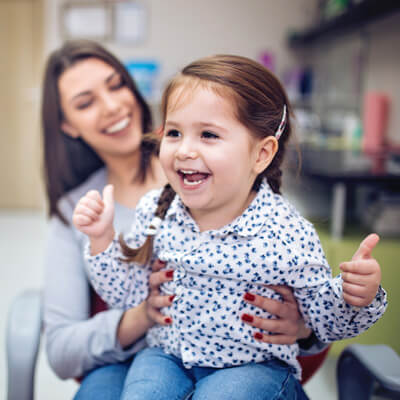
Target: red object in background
375,120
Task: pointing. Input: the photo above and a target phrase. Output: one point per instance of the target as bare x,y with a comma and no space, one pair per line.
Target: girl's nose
186,151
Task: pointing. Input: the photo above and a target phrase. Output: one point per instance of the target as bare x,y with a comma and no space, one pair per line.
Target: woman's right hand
155,301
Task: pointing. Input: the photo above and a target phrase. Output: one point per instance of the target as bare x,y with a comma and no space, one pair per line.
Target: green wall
387,252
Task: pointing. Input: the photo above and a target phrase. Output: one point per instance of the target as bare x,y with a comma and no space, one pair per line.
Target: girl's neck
128,189
216,220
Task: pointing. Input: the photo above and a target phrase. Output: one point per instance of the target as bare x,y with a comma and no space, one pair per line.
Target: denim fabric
104,383
158,376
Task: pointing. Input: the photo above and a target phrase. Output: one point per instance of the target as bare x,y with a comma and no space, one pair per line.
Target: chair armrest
368,364
22,340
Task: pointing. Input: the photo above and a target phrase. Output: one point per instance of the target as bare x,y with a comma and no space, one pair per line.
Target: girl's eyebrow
198,124
88,92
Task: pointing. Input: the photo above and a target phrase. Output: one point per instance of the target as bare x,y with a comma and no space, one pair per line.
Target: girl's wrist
100,243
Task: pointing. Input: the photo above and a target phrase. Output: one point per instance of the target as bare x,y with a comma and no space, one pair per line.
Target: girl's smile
209,157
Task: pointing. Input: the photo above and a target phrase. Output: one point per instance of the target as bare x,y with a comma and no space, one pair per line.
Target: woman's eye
117,83
209,135
173,133
82,106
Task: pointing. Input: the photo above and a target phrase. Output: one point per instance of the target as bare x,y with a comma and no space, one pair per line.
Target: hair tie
153,227
282,124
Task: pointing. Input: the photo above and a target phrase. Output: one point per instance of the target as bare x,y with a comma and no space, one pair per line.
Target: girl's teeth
191,183
118,126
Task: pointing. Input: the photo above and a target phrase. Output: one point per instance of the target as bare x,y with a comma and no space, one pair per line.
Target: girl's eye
209,135
172,133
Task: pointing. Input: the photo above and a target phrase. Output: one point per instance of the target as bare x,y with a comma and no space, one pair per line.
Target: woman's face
99,108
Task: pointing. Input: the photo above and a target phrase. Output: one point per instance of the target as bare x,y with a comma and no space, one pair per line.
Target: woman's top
269,244
76,343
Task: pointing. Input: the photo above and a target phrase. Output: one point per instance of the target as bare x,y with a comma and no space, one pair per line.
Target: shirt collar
263,207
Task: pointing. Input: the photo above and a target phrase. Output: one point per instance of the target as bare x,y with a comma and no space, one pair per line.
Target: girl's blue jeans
156,375
104,383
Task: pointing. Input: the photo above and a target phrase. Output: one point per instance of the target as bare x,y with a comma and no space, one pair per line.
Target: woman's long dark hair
69,162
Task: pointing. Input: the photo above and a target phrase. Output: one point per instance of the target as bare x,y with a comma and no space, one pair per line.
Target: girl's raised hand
362,275
94,215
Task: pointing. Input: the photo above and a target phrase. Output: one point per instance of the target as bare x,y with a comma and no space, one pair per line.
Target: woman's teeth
118,126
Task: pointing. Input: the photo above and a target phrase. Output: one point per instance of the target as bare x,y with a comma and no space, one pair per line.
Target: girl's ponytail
143,254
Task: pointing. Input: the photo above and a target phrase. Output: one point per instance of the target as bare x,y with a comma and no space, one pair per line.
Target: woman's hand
287,328
137,320
156,300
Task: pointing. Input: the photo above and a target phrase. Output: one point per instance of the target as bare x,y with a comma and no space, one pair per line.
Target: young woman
93,121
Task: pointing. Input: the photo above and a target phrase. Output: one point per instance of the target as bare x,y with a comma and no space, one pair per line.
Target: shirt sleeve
331,318
75,343
118,282
320,297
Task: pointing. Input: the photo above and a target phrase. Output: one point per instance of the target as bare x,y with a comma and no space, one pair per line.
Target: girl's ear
69,130
266,150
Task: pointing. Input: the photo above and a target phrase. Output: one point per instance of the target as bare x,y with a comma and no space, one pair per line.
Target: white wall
180,31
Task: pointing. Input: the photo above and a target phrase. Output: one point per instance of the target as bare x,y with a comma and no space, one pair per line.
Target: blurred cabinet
356,17
21,38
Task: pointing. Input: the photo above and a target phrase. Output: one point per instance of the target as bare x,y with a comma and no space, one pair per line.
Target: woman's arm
76,343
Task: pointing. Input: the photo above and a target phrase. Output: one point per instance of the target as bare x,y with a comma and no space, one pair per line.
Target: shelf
350,21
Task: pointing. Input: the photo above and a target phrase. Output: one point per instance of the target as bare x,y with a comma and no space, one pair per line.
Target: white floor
22,243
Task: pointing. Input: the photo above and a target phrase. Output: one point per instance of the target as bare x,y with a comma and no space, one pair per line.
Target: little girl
224,228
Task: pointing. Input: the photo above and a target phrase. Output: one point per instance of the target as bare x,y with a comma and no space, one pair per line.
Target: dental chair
364,371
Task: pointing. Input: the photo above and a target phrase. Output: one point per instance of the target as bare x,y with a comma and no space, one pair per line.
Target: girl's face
99,107
210,158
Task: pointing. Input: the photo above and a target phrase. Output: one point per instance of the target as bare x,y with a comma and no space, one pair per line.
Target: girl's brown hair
259,100
69,162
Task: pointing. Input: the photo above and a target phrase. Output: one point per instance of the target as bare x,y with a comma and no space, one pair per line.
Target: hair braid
142,255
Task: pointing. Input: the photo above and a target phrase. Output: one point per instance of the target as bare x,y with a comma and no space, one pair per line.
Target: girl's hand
156,300
94,216
362,275
287,328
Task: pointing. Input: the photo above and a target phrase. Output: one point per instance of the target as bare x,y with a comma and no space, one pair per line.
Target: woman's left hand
288,326
156,300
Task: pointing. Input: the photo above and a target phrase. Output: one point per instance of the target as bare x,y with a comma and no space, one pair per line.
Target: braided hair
142,255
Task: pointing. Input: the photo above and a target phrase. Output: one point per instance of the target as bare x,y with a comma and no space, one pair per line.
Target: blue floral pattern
269,244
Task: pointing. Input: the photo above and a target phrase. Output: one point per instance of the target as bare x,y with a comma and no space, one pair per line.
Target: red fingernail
247,318
168,320
249,296
170,273
171,298
162,262
258,335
